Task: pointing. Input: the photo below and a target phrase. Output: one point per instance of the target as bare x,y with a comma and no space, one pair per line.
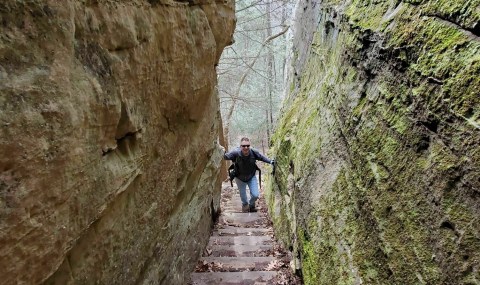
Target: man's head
245,145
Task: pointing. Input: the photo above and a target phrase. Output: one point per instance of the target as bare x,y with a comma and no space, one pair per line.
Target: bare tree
270,58
242,80
247,69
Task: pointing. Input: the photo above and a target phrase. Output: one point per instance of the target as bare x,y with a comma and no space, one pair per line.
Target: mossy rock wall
378,177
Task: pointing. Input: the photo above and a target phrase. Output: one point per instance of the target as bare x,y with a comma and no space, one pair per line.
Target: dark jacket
245,165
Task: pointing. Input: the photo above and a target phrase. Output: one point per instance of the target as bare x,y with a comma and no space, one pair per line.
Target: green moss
465,13
309,262
377,177
375,9
442,158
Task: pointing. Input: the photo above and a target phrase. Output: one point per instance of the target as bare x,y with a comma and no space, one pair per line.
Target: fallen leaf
274,265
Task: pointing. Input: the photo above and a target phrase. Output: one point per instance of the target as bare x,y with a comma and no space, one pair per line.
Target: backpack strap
231,173
257,168
259,177
232,170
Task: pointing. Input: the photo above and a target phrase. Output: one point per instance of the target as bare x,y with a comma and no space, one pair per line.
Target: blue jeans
253,186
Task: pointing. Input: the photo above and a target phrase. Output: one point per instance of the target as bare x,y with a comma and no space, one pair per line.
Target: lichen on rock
381,165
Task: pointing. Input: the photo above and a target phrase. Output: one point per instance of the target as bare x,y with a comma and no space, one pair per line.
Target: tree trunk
270,75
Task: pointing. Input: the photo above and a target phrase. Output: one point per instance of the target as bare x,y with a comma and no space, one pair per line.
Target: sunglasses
245,145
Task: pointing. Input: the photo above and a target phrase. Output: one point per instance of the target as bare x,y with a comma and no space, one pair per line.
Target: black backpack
233,170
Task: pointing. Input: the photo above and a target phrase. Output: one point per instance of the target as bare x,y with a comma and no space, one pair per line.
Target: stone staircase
241,249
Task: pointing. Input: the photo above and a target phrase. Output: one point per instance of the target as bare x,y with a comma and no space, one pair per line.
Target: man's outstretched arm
231,155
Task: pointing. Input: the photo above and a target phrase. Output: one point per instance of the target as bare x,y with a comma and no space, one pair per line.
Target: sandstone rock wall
378,152
109,121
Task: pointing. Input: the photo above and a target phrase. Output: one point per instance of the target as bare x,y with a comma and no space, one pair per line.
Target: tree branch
244,76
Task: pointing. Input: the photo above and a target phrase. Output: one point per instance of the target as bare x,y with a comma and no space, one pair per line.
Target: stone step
232,278
236,201
241,219
240,240
232,264
241,250
237,231
236,209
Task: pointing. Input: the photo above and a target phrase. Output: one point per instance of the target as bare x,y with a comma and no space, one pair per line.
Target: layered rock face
378,178
109,121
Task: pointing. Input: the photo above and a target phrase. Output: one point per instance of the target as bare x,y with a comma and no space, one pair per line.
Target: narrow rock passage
242,248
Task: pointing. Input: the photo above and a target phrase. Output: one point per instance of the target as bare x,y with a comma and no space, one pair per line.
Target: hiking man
244,158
